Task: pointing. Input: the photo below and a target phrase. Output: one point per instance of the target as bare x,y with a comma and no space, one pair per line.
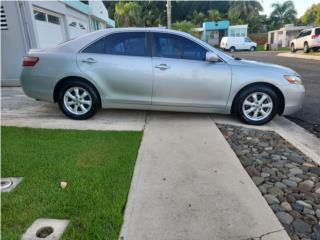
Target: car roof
75,45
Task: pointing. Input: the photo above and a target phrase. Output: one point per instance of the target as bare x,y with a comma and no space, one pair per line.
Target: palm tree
214,15
128,14
247,8
283,13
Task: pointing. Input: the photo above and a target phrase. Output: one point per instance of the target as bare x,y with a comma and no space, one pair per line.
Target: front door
182,77
121,64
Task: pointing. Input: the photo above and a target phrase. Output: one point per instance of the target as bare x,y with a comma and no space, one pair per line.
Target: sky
301,5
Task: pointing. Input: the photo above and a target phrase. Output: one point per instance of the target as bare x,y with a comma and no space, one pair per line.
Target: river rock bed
288,180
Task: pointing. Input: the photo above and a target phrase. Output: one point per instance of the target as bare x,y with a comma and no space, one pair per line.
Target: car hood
250,63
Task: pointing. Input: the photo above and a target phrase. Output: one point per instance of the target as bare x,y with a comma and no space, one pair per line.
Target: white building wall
12,53
22,33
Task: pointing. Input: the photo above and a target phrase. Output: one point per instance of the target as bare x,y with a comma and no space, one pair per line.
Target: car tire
232,49
266,109
78,100
252,49
293,50
306,48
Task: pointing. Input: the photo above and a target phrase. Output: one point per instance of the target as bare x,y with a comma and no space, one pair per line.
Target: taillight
29,61
315,36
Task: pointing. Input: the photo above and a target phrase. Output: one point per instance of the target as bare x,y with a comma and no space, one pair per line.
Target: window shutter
4,25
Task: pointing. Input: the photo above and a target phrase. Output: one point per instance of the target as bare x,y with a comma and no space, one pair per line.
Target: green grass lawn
97,165
260,47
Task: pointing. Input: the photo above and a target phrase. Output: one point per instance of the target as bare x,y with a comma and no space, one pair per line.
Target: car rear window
317,31
127,43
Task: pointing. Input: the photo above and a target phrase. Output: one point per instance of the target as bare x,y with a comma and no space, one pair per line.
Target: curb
292,55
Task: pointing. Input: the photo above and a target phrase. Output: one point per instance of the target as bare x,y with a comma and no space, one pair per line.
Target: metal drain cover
5,183
9,183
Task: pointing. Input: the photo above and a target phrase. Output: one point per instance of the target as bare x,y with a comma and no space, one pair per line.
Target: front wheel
293,50
78,100
306,48
256,105
252,49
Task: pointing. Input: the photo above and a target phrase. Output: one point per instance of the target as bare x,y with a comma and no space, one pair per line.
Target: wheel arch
62,81
273,87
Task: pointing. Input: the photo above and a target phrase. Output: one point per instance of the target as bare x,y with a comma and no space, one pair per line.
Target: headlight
293,79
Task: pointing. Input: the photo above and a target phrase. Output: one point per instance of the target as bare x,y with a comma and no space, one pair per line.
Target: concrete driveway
19,110
309,116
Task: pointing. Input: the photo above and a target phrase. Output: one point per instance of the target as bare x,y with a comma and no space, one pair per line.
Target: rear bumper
36,87
293,96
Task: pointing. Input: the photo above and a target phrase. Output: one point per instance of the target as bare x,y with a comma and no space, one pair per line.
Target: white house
213,32
41,24
283,36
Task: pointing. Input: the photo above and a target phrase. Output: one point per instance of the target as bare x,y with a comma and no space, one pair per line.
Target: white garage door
76,27
49,28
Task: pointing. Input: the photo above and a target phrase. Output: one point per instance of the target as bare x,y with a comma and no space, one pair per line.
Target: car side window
300,35
247,39
173,46
307,33
127,43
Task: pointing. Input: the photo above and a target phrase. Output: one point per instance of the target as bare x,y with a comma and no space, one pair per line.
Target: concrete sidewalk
299,55
188,184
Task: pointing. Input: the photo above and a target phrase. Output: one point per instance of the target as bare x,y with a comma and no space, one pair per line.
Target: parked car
237,43
157,69
307,39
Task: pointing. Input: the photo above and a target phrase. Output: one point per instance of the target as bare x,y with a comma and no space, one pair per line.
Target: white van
237,43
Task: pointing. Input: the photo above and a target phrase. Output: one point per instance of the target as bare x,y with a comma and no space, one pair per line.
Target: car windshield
317,31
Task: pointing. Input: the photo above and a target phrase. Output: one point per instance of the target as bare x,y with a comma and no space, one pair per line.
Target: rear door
121,64
182,77
304,38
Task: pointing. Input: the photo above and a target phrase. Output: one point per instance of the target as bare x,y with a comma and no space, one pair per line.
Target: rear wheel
232,49
306,47
78,100
293,50
256,105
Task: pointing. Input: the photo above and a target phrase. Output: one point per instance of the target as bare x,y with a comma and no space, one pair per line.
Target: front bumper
293,97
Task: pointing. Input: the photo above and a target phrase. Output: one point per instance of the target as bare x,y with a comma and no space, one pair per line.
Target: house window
39,16
53,19
4,25
46,17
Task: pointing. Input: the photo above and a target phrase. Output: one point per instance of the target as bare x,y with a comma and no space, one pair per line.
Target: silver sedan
157,69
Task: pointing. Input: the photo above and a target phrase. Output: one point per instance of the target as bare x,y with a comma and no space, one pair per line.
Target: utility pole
168,14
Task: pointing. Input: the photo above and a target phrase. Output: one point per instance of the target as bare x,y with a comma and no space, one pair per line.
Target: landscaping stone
303,204
280,185
286,206
271,199
288,180
258,180
289,183
275,191
252,171
284,218
306,186
301,226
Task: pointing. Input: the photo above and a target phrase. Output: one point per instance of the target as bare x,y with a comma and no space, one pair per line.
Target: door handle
89,60
162,66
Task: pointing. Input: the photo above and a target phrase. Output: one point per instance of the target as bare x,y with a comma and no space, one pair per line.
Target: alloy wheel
77,100
257,106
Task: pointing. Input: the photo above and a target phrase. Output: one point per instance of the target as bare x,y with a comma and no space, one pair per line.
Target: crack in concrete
263,235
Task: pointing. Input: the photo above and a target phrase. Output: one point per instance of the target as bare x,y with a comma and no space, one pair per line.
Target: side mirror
212,57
